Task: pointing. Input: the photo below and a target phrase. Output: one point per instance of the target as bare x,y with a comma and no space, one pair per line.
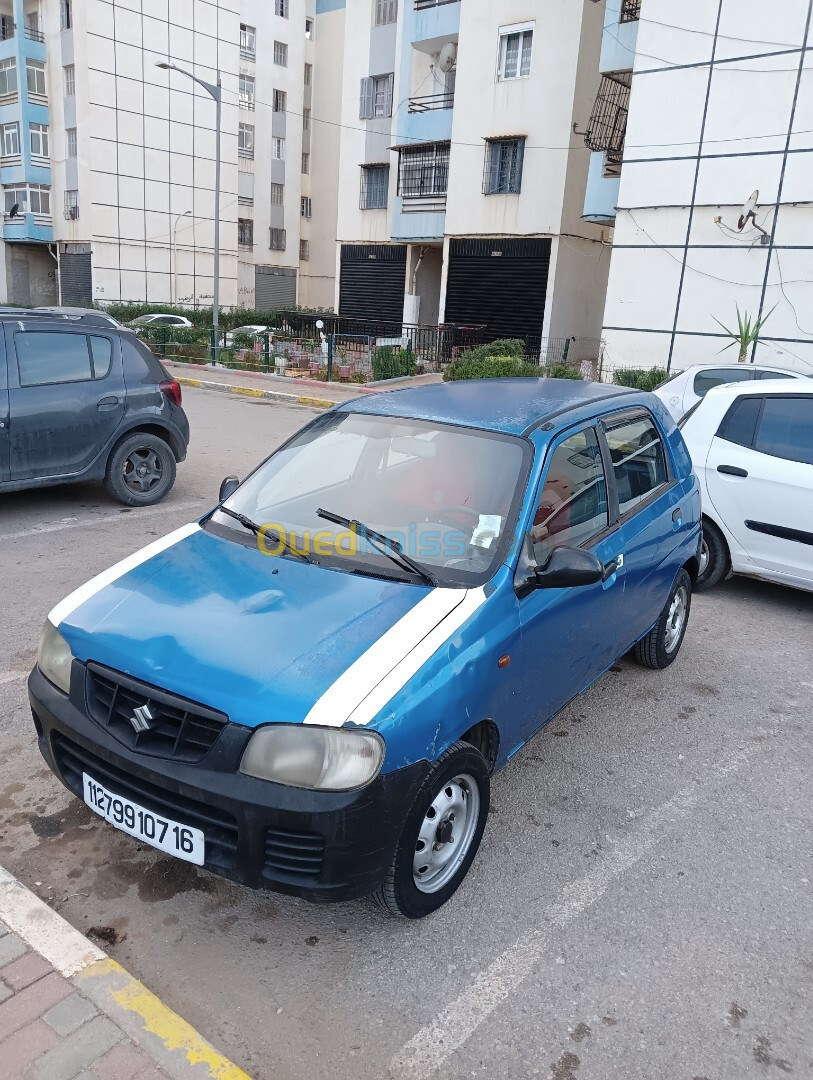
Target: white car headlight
54,657
322,759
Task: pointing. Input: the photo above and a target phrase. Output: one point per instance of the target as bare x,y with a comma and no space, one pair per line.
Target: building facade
108,163
461,182
720,115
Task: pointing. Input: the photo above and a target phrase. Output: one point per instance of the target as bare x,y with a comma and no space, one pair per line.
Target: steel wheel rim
446,833
142,470
705,555
676,619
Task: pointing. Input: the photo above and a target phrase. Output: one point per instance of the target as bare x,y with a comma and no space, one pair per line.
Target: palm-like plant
747,332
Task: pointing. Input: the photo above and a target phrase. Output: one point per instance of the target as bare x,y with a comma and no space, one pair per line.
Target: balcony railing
33,34
247,54
429,102
630,11
420,4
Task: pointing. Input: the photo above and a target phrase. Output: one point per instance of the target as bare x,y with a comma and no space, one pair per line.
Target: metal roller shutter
500,284
274,287
373,281
76,279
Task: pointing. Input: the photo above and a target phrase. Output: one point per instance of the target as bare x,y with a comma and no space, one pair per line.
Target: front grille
294,854
180,729
219,828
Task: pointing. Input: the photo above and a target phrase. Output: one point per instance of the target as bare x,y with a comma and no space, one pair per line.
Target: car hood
260,638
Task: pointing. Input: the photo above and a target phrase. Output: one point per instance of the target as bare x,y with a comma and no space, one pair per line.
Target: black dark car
81,399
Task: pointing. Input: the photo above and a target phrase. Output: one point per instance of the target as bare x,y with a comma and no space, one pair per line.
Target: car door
4,428
759,476
66,397
654,518
568,636
707,378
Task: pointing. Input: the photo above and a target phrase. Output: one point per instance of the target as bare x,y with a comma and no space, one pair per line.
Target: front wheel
662,644
441,835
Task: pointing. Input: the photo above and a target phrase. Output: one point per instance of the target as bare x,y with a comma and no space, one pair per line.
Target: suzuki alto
308,689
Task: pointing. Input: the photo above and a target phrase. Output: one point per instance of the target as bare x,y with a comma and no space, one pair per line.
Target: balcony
430,102
29,227
33,34
421,4
630,11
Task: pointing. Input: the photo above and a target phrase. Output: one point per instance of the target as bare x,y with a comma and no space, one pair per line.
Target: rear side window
786,429
573,504
639,460
740,422
46,357
709,378
773,375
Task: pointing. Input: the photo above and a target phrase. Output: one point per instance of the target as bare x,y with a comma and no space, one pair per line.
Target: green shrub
639,378
391,363
562,371
471,365
501,348
243,341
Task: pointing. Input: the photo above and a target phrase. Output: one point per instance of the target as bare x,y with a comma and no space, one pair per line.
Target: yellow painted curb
158,1019
187,382
320,402
247,391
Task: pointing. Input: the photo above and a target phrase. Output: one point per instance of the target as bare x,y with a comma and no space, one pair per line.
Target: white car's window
710,377
786,429
740,422
773,375
638,460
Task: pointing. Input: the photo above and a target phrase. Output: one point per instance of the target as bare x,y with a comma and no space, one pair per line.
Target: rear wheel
662,644
441,835
714,557
140,470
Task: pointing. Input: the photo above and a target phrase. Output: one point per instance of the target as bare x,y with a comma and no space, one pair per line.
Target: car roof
734,365
63,315
507,405
762,387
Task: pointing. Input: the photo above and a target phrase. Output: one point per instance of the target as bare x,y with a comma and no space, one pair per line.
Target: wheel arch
149,428
485,737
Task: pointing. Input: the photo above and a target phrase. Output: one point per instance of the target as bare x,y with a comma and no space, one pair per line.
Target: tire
124,478
662,644
458,783
716,557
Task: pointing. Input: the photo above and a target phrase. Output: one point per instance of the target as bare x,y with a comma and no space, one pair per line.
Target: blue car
308,689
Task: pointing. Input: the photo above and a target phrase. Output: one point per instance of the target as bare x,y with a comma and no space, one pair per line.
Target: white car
752,449
252,330
684,389
170,321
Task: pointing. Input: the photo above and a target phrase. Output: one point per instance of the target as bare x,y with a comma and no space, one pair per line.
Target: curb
264,376
249,391
173,1044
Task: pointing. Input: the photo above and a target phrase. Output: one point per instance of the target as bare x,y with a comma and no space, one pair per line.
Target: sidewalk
288,391
69,1011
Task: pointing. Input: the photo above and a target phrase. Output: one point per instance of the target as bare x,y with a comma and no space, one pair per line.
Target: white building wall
722,104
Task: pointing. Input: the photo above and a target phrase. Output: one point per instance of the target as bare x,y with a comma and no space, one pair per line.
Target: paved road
640,908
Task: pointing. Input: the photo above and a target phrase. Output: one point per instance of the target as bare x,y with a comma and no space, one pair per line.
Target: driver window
573,505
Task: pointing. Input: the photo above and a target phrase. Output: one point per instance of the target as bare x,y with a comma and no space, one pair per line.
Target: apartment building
461,182
108,163
702,138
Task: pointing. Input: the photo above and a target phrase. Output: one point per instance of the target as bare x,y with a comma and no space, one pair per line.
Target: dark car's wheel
441,835
140,470
714,557
662,644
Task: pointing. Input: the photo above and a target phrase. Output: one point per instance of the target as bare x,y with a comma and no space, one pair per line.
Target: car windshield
447,495
142,320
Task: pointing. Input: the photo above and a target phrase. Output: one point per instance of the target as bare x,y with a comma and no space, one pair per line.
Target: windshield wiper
275,537
383,543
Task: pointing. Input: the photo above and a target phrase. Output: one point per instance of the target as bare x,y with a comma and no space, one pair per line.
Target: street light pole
214,91
175,255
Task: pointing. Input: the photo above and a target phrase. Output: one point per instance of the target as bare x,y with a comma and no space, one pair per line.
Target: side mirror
568,568
228,488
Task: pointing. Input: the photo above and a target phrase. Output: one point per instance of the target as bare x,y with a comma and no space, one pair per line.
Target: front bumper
317,845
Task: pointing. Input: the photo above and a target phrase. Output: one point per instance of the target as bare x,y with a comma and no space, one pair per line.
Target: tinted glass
711,377
786,429
573,504
52,358
638,460
102,351
773,375
740,422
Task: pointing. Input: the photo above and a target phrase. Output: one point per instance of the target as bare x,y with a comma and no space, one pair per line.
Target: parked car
684,389
82,400
169,321
752,448
252,331
305,703
89,316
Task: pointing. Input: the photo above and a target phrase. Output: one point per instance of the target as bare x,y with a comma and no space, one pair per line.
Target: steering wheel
458,509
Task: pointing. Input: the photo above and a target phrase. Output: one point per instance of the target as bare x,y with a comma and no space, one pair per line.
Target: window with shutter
366,99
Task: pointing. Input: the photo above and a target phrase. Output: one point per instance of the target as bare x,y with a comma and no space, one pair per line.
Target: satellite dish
748,210
447,57
14,211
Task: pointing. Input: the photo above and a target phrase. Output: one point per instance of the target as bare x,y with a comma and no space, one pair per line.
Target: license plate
169,836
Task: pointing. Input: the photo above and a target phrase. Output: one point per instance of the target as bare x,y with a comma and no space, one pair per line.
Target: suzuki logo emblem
142,719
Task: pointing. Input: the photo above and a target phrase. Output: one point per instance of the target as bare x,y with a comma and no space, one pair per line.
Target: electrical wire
719,65
782,283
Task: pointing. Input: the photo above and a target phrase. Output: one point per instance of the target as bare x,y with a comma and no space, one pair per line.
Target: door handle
677,515
613,567
107,403
732,470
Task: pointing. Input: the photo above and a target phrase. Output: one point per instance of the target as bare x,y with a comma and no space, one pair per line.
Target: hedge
640,378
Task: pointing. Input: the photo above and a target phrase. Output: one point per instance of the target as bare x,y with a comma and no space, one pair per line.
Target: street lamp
186,213
215,92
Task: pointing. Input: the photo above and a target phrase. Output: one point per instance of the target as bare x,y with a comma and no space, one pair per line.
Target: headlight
323,759
54,657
